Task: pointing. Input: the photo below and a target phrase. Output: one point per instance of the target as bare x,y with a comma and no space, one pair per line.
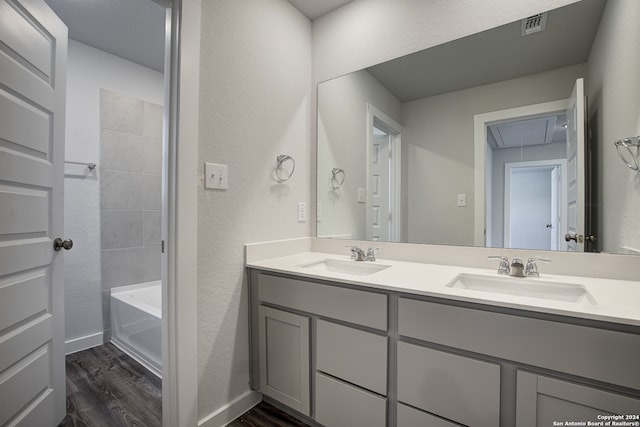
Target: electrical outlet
302,212
318,213
215,176
462,200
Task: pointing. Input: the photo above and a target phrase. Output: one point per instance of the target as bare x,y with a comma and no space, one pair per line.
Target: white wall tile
152,228
152,153
152,192
121,229
152,260
120,190
121,151
122,267
121,112
152,120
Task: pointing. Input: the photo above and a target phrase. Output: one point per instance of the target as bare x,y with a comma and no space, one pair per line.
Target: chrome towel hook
337,178
623,146
282,174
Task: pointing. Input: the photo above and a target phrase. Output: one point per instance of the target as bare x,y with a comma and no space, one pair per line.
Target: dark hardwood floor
265,415
105,387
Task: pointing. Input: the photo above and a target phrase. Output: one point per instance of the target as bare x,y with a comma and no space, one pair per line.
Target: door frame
395,172
480,123
180,215
508,168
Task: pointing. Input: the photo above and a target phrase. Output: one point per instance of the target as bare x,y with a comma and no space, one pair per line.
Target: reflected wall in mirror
480,141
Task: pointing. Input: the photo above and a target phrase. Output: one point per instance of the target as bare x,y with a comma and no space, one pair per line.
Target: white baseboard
231,410
83,343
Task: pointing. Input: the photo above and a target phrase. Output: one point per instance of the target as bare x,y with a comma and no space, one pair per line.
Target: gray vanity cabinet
346,356
284,357
541,400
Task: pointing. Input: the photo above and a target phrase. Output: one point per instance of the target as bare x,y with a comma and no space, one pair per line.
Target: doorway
383,192
533,209
114,210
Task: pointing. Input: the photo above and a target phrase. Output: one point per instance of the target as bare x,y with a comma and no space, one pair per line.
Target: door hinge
162,246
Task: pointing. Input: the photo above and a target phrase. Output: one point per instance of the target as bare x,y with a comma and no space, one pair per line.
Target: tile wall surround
130,192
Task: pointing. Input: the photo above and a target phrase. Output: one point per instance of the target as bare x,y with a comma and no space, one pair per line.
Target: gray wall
255,103
614,114
440,159
342,141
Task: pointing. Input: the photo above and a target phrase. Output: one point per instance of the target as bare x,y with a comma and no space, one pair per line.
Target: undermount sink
362,268
524,287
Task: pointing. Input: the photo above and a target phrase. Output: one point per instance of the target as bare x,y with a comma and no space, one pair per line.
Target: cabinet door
543,400
284,357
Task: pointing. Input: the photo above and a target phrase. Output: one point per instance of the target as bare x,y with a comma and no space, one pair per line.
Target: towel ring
281,159
337,178
623,146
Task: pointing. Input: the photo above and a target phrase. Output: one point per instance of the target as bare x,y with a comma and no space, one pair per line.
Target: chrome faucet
532,268
517,268
503,267
358,254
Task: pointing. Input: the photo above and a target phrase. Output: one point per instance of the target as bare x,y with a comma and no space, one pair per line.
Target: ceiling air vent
534,24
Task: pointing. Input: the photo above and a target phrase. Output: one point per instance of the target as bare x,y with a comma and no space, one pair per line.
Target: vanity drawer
599,354
411,417
349,305
454,387
339,404
355,356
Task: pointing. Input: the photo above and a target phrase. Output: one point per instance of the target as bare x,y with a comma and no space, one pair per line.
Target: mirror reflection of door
383,177
533,204
526,190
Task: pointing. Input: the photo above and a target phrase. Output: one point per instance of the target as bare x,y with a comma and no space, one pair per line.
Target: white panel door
575,168
378,197
33,56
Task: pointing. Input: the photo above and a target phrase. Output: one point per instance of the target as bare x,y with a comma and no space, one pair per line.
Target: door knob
59,244
578,238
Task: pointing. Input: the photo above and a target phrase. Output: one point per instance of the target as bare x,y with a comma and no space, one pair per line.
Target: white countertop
616,301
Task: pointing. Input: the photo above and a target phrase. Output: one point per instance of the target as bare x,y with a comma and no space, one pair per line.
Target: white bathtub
136,323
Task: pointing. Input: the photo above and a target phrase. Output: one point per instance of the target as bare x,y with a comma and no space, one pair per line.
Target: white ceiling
313,9
131,29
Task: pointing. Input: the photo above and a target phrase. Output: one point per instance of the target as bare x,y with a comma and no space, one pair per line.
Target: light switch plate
362,195
462,200
215,176
318,213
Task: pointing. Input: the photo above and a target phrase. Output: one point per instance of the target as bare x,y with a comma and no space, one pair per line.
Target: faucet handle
503,267
532,267
371,254
356,253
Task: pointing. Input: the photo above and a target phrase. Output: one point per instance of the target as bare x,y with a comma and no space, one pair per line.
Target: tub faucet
503,267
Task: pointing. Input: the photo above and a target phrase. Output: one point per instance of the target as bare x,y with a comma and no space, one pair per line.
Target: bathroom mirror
468,143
